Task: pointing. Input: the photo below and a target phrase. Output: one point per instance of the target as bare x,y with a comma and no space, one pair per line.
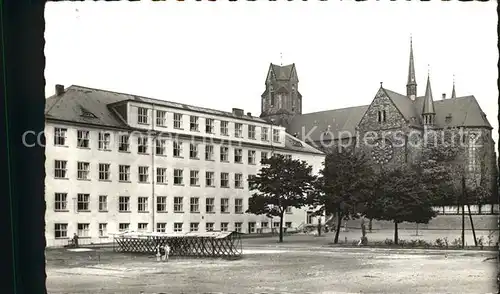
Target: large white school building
118,162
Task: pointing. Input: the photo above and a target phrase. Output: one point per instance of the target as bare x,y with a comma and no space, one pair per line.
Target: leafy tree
400,196
280,183
343,185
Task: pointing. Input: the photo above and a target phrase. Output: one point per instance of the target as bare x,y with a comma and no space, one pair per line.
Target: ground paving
302,264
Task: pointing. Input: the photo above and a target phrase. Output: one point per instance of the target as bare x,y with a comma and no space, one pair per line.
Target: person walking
158,252
166,252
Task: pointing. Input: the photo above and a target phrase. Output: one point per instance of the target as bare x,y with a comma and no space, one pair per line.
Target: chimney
59,90
249,114
238,112
444,96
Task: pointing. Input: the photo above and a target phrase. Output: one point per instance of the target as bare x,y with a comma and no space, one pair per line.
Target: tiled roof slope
283,72
464,111
77,100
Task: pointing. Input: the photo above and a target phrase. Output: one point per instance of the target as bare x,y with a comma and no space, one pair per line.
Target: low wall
440,222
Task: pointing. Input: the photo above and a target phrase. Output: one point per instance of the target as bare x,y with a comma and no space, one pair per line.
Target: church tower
411,86
281,100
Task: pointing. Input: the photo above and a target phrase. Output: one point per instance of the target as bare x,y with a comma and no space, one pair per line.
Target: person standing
158,254
162,253
75,240
166,252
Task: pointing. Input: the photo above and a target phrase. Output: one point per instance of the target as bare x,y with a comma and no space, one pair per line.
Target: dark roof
345,119
461,112
68,106
428,107
283,72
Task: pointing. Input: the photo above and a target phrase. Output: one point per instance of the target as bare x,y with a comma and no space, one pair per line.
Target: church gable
382,113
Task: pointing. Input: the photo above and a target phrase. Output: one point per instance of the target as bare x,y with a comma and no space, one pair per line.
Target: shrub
440,243
480,242
445,239
457,242
403,243
413,243
388,241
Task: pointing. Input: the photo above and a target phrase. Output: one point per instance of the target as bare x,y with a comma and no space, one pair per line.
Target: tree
343,185
280,183
400,196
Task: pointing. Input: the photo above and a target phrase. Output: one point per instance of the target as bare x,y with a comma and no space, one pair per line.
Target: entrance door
309,217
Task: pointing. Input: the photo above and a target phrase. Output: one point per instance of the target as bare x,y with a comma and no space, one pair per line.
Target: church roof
457,112
282,72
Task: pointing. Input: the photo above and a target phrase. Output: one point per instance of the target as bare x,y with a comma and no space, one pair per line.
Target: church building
393,129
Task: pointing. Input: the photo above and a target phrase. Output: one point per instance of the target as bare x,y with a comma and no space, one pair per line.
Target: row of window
194,124
104,171
83,229
160,147
125,205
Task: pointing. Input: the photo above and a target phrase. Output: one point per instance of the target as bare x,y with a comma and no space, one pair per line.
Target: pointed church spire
411,86
453,94
428,111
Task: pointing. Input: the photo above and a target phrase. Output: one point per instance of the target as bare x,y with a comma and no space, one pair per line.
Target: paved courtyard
302,264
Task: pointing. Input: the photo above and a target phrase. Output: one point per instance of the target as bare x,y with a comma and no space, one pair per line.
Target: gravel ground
303,264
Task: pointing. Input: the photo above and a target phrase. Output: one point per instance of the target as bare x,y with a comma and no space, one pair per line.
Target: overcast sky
216,54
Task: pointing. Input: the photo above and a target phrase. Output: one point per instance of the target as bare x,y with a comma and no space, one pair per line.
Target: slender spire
281,59
428,101
453,94
411,86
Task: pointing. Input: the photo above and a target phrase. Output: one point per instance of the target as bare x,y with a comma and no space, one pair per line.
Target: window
161,227
472,153
177,149
251,227
224,205
123,144
60,201
83,170
123,227
209,125
178,179
224,154
103,203
177,227
209,227
193,151
264,134
251,132
238,130
238,205
276,224
238,156
238,181
288,225
124,173
237,227
83,230
104,173
251,156
276,136
123,203
194,176
210,205
161,175
82,140
224,130
142,204
178,121
103,230
263,156
60,230
209,152
381,116
143,174
288,209
193,123
142,115
60,169
142,227
161,146
223,227
224,180
104,141
210,181
264,225
178,204
161,204
83,202
161,118
142,145
193,227
195,205
60,136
